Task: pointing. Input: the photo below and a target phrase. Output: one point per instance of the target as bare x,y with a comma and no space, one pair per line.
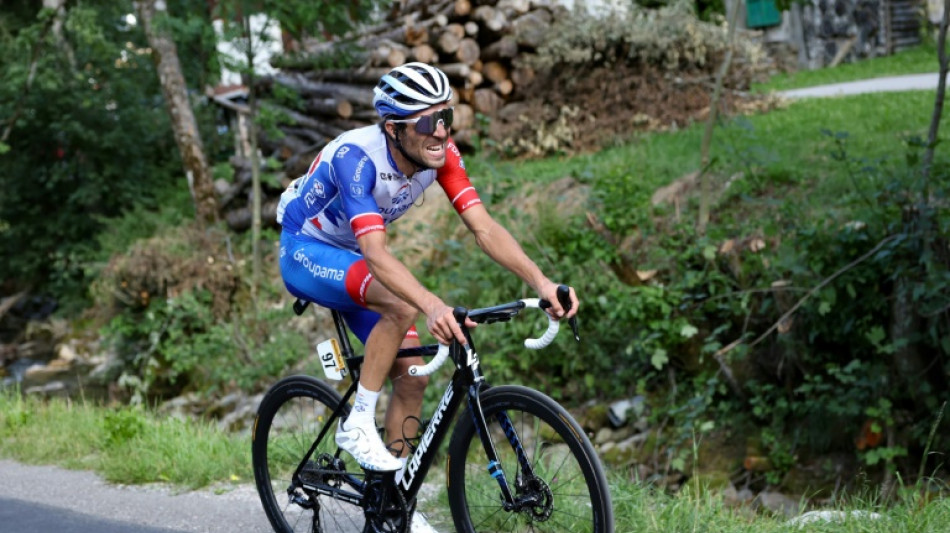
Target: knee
410,386
401,314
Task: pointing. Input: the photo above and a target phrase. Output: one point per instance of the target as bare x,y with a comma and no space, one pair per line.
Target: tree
179,109
83,138
943,62
704,179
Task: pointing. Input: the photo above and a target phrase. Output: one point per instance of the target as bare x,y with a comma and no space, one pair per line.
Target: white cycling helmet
410,88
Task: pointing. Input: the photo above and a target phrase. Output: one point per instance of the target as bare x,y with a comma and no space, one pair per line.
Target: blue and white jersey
353,187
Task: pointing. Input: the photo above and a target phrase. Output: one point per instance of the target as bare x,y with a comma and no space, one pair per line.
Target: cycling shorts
332,277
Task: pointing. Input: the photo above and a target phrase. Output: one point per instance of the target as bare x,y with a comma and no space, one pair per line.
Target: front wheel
554,475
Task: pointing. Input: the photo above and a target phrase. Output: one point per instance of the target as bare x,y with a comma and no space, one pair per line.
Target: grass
918,60
781,153
124,445
138,446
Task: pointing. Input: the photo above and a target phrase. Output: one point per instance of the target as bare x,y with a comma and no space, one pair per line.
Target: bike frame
466,384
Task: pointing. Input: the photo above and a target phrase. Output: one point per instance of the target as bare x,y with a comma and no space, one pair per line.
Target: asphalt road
912,82
40,499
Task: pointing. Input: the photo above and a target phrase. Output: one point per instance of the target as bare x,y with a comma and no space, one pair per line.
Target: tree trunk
54,23
944,65
704,180
187,137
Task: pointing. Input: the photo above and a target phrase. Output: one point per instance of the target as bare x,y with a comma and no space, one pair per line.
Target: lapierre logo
388,176
472,359
413,467
317,270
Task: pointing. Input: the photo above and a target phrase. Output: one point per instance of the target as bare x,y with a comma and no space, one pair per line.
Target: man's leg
406,399
383,340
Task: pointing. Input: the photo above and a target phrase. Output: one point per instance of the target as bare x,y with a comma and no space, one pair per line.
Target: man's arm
396,277
502,247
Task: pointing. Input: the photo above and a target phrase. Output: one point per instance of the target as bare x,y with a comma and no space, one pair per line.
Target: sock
364,406
402,471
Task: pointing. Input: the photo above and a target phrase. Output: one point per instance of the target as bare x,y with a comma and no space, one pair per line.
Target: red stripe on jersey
316,222
454,180
367,223
357,281
313,165
465,199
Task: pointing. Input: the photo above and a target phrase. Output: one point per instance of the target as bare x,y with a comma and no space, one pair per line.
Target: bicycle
517,460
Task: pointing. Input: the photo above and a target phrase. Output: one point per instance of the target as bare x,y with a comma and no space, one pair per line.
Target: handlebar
504,312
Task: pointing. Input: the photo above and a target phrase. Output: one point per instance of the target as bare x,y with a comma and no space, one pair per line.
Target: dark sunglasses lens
428,123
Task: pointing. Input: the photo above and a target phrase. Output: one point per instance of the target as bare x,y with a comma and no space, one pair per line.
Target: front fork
494,465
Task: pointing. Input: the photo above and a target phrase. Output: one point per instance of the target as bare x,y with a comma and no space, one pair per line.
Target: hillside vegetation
799,343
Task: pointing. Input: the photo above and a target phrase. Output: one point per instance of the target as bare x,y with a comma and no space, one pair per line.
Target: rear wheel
555,477
326,496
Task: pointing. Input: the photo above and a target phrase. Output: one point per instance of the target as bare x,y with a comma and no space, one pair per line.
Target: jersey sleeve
454,180
355,175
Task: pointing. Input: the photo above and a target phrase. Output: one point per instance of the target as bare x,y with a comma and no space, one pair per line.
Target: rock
66,352
777,503
38,375
53,388
832,516
603,435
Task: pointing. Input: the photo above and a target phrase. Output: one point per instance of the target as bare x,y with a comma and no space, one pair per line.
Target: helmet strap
415,162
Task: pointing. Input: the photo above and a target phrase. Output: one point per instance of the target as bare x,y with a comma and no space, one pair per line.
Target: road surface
39,499
911,82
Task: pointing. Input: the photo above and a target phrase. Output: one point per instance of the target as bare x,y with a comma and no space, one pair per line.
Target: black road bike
517,460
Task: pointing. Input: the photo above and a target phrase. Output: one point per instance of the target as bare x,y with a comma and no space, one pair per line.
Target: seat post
341,333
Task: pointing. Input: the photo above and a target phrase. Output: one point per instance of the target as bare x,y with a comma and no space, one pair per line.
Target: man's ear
390,128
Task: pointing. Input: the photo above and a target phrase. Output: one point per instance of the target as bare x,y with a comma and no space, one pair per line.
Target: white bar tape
434,364
534,344
548,337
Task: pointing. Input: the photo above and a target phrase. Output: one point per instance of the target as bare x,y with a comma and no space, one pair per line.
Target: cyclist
333,247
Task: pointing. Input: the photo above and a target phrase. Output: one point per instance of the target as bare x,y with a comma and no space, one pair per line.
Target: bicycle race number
331,359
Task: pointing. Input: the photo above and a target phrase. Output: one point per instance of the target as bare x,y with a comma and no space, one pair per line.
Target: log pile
474,42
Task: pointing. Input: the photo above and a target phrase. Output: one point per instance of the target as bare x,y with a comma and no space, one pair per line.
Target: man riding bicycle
333,246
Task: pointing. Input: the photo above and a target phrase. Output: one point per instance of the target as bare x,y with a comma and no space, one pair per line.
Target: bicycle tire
569,486
290,416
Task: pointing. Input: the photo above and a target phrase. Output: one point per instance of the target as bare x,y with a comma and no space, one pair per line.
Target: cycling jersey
353,187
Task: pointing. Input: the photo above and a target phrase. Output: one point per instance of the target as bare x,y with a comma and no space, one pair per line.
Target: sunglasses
427,124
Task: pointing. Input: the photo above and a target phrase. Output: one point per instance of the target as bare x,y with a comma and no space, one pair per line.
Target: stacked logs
475,43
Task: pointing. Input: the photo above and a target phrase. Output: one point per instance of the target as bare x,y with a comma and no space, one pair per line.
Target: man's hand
442,325
549,292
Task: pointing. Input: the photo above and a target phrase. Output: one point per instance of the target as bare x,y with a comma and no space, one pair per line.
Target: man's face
426,148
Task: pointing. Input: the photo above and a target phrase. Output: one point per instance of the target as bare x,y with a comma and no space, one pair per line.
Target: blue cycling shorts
332,277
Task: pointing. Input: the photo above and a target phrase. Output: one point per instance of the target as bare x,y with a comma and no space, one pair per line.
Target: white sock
364,406
402,471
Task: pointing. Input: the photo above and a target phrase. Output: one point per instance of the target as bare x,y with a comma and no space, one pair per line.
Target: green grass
639,508
782,152
138,446
124,445
918,60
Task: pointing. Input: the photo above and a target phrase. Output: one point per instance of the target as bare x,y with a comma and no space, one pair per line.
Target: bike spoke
546,464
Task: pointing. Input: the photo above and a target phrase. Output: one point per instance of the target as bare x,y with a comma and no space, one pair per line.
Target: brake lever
564,297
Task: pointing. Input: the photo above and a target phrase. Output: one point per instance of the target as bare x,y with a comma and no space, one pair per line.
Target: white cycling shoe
364,444
419,524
